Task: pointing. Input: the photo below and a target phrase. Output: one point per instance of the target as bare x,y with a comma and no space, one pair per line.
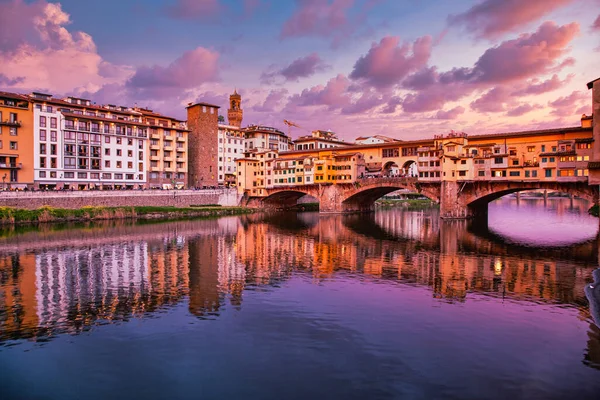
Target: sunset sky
402,68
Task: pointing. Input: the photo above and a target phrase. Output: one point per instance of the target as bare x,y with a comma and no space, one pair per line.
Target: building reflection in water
67,281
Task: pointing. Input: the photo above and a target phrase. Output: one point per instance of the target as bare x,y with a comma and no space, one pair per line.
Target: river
393,304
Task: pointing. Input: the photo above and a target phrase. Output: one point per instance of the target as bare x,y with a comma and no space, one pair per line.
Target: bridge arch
285,198
364,194
410,168
477,197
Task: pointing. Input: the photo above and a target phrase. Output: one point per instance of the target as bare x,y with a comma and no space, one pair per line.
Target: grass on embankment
408,203
9,215
594,210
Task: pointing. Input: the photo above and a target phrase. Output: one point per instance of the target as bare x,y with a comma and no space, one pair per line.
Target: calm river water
395,304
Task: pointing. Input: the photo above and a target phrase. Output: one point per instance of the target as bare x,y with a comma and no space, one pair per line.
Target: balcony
155,136
181,159
16,124
154,147
180,138
168,158
181,170
154,158
11,165
168,148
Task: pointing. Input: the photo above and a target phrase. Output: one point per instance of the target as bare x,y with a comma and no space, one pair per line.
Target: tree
221,118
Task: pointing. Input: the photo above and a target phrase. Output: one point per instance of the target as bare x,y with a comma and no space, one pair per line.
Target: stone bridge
457,199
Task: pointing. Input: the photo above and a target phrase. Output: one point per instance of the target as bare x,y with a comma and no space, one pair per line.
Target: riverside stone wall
125,198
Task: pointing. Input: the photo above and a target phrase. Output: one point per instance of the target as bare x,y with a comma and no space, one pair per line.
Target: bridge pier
451,206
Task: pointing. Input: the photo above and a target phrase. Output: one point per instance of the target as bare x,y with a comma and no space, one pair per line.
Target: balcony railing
7,122
11,165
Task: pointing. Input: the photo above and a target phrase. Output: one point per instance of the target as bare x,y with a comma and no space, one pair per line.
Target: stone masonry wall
158,198
202,145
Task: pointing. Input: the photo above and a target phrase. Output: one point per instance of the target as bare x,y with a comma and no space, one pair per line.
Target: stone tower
202,120
235,113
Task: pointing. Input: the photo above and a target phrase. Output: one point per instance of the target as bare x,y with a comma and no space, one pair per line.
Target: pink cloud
319,18
450,114
491,101
194,9
7,82
273,100
388,61
333,95
38,52
190,70
534,86
567,105
529,55
522,109
491,18
435,97
596,24
302,67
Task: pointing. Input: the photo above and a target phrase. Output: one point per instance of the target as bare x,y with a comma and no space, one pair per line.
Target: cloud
190,70
490,19
6,81
596,24
334,94
302,67
535,87
202,10
567,105
388,61
450,114
529,55
491,101
522,109
320,18
272,101
37,46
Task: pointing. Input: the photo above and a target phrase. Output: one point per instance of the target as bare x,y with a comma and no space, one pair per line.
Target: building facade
203,144
16,141
231,147
319,139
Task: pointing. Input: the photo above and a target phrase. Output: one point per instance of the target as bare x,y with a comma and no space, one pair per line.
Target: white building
231,147
79,145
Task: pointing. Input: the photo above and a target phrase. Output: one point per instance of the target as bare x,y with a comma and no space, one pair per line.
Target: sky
407,69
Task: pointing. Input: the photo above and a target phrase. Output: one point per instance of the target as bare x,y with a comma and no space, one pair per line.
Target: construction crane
290,124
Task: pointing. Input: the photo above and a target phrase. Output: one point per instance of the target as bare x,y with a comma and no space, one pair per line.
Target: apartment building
319,139
79,145
16,141
262,138
167,150
231,147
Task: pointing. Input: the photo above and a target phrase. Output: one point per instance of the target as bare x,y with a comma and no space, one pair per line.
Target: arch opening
409,168
287,199
365,199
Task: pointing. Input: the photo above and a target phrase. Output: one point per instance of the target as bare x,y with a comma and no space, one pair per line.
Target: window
107,152
42,121
53,136
53,162
53,122
106,139
70,163
544,159
13,131
53,149
481,173
543,148
43,134
42,148
548,173
42,162
498,160
42,174
81,175
13,146
107,164
119,152
551,159
530,149
119,164
515,173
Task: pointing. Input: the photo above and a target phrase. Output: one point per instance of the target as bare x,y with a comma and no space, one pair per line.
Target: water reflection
65,281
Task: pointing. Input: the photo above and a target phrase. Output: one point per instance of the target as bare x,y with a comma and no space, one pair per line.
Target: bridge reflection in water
66,281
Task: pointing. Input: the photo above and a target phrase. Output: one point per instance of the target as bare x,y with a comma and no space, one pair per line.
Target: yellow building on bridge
550,155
